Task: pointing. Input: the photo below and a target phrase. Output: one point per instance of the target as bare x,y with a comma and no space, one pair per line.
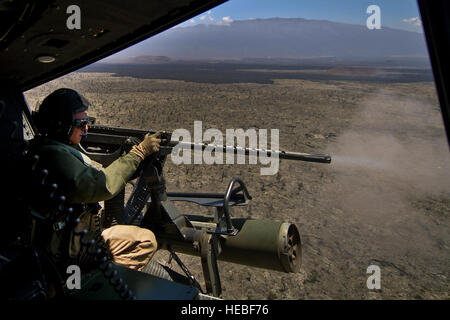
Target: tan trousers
131,246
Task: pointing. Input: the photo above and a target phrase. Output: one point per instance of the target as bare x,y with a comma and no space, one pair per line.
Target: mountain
140,59
280,38
150,59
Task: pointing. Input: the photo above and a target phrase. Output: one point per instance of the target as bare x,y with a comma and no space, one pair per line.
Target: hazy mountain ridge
280,38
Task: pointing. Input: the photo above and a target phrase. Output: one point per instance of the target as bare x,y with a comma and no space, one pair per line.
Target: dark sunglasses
81,123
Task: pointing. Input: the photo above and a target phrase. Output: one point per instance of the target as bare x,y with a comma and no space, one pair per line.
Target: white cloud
415,21
208,18
227,19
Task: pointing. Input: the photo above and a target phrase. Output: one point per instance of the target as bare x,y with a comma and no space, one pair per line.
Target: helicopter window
331,77
28,132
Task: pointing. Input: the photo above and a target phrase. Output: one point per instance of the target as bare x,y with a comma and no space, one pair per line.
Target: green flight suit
81,182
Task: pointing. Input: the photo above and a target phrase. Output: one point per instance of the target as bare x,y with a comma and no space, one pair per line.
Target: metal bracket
225,211
210,250
185,269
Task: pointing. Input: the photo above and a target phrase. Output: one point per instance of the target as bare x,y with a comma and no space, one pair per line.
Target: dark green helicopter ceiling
33,29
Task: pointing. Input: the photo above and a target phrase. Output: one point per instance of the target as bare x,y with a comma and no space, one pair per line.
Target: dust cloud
388,164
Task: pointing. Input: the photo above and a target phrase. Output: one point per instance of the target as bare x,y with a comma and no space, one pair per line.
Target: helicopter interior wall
11,149
43,44
11,124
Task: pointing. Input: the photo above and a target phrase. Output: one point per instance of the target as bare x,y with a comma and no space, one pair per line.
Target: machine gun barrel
103,136
249,151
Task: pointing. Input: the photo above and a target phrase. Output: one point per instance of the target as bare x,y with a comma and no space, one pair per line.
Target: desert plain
384,200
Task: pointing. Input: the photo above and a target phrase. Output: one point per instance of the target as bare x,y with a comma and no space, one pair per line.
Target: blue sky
399,14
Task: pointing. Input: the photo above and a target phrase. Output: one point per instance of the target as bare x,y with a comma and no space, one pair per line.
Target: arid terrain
384,200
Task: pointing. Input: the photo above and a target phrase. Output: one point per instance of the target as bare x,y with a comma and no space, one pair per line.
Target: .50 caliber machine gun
260,243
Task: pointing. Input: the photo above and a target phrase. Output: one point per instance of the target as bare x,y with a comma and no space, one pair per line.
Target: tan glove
149,145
